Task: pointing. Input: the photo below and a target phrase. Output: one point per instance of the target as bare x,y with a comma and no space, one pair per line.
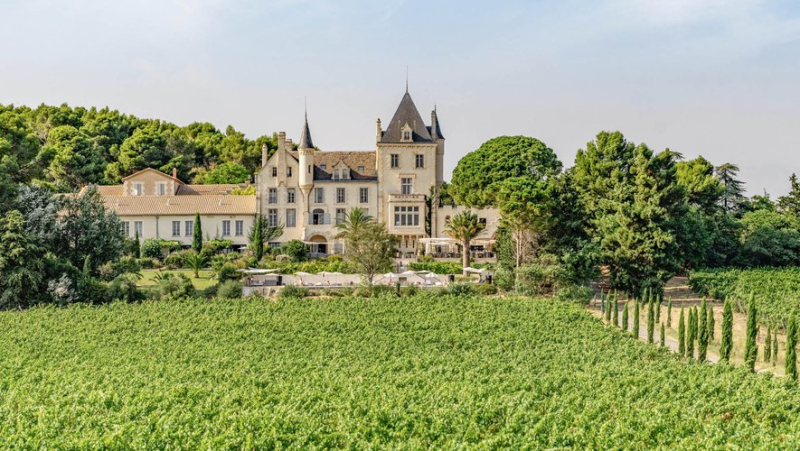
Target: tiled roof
181,205
305,137
406,113
352,159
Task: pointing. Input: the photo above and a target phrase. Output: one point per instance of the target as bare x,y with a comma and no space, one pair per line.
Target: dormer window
406,134
323,166
336,174
161,188
138,189
361,169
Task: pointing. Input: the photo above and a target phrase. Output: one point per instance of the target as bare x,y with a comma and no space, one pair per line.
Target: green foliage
22,266
440,267
460,289
751,345
292,292
261,233
296,250
225,173
249,190
197,234
464,227
196,262
791,349
625,317
702,338
768,345
367,243
636,315
681,334
229,289
172,286
726,341
476,174
711,322
650,320
691,333
158,248
669,312
662,336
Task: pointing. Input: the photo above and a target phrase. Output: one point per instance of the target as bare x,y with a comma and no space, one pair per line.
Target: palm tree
196,262
464,227
354,221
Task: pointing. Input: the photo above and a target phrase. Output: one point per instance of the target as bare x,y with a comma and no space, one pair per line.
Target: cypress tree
608,307
650,320
658,310
137,246
774,348
625,317
197,235
681,335
726,341
711,322
615,310
791,351
702,338
690,336
751,345
257,238
768,345
661,337
635,329
669,313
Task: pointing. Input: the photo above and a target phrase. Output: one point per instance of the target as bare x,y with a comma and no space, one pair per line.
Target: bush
460,289
148,263
292,292
504,278
158,248
575,293
437,267
295,249
230,289
174,260
172,285
228,271
486,289
410,291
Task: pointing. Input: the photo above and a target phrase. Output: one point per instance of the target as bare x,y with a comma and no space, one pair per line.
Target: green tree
261,234
726,341
22,266
227,173
681,334
669,312
367,243
711,322
702,338
197,234
658,309
635,318
196,261
774,348
650,320
751,345
464,227
768,345
791,349
662,337
615,311
733,189
74,159
625,317
790,203
499,159
137,245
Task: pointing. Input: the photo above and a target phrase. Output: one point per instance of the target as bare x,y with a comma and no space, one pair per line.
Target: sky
717,78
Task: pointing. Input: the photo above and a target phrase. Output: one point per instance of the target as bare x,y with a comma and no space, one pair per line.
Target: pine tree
669,313
625,318
661,337
726,341
711,322
681,335
615,310
750,348
702,338
791,350
774,348
635,329
658,310
768,345
137,246
650,320
197,235
690,336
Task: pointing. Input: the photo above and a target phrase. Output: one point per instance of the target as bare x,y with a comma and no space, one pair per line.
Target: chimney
378,131
282,141
174,173
264,155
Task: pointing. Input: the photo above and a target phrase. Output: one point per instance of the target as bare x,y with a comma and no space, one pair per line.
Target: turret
306,151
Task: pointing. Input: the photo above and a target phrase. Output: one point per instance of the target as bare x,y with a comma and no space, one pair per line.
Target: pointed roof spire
406,78
406,113
305,136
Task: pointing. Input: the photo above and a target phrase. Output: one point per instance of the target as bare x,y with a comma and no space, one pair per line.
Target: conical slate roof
406,113
305,137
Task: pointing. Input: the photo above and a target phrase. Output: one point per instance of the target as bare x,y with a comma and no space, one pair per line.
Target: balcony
410,198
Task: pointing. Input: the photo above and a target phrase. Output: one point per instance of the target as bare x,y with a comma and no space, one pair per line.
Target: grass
207,278
425,372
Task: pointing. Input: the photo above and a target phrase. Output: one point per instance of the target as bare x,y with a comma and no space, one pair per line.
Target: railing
476,254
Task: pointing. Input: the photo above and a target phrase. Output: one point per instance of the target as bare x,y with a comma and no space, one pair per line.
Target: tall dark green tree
702,338
650,320
791,349
681,334
711,322
726,341
658,309
751,345
669,312
22,266
615,311
197,234
790,203
768,345
636,315
691,334
257,238
137,245
625,317
775,348
733,193
662,336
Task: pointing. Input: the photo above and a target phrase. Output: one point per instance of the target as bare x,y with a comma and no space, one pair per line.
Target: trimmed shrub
460,289
437,267
230,289
486,289
292,292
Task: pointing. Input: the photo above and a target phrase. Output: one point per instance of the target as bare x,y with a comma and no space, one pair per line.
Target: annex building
307,190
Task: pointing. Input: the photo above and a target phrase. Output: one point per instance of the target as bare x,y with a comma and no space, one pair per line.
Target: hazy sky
718,78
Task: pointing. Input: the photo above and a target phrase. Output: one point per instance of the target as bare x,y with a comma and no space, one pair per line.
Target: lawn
426,372
207,278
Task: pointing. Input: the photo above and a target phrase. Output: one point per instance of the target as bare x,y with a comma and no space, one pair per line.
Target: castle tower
306,151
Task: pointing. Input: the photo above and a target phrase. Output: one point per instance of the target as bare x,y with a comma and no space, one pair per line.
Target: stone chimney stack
264,154
174,173
378,130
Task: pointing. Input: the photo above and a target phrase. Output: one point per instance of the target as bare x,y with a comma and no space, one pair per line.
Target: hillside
423,372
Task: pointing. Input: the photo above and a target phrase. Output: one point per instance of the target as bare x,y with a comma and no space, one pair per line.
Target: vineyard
776,290
423,372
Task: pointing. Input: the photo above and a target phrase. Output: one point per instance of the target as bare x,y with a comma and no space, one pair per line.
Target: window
127,226
336,174
420,161
363,195
289,171
290,196
395,160
274,171
239,228
137,226
188,228
272,217
176,228
318,216
406,135
309,169
340,213
405,185
406,216
161,188
138,189
340,195
323,166
361,169
291,218
319,195
273,195
226,228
